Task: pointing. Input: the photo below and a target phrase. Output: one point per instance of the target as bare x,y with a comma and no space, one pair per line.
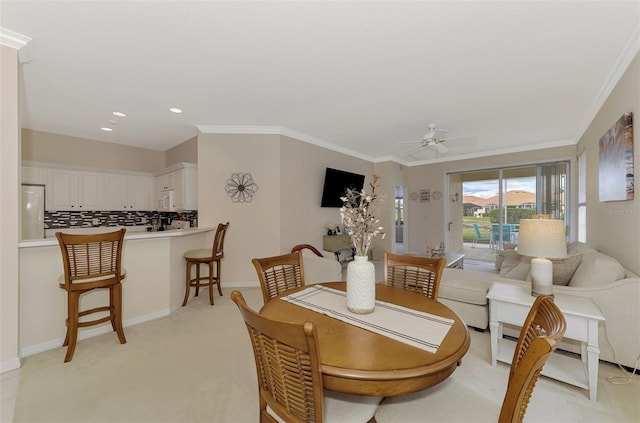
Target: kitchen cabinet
128,192
33,175
182,179
74,190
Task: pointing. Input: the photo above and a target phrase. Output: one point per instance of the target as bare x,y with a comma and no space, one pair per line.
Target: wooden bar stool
208,257
91,262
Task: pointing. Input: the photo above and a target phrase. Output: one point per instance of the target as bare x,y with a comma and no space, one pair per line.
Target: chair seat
344,408
122,277
201,254
449,401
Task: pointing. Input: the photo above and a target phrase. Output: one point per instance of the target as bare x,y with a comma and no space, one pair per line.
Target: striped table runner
421,330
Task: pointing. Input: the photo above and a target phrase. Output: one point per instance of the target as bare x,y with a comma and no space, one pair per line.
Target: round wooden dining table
358,361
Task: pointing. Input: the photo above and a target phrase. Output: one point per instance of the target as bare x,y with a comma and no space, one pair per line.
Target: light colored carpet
197,365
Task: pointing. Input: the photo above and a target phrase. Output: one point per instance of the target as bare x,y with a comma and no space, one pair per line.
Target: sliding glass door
494,201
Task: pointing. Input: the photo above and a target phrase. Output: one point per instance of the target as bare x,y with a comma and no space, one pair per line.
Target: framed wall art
616,161
425,195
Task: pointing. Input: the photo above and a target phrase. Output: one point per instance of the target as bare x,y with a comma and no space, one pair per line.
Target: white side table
510,304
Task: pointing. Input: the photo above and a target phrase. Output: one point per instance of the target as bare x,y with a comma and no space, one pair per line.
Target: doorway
399,220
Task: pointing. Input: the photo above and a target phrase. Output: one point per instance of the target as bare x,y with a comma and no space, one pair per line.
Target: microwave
166,201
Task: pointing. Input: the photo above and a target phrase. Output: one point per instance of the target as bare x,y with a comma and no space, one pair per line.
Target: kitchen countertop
133,233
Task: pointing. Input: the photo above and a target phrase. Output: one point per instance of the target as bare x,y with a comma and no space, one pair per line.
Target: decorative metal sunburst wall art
241,187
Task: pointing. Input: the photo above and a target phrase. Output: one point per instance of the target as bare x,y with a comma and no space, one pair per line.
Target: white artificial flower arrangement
360,216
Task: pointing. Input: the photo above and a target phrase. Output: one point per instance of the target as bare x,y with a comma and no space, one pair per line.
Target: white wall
9,183
614,227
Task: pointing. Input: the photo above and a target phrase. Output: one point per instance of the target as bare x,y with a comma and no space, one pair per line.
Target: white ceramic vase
361,285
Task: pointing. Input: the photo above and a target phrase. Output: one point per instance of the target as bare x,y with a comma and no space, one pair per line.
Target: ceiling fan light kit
430,140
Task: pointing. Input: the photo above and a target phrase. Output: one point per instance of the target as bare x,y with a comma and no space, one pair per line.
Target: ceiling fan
431,139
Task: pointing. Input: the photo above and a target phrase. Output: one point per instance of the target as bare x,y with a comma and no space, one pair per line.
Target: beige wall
286,209
614,227
302,219
9,182
255,226
81,152
391,175
427,220
184,152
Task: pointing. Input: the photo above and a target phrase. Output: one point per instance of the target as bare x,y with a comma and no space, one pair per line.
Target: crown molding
509,150
280,130
16,41
628,54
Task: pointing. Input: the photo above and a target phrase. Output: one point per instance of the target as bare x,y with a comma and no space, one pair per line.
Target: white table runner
421,330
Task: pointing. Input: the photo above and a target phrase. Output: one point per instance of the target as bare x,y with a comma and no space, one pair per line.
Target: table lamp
542,239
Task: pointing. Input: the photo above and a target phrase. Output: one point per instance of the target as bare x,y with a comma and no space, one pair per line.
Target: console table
510,304
337,243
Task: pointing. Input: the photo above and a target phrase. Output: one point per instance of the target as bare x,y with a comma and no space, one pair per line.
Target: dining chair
278,274
541,333
207,256
290,386
91,262
419,274
479,236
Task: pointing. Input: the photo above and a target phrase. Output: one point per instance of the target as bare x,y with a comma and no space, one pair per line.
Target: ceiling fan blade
458,138
413,151
441,149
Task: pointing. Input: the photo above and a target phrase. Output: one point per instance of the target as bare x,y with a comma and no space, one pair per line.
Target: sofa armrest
320,269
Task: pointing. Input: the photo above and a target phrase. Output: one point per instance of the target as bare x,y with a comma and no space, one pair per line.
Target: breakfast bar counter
153,288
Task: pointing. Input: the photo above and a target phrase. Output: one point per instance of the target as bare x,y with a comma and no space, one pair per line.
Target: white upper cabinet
183,180
73,190
33,175
128,192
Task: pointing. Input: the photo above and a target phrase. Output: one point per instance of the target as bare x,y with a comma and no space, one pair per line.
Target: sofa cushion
518,270
465,286
597,269
563,269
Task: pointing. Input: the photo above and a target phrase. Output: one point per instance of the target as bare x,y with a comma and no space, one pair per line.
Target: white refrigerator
33,206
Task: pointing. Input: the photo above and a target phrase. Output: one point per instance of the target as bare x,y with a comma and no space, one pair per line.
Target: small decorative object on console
359,216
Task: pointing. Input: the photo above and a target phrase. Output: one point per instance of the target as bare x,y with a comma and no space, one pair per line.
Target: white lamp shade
542,238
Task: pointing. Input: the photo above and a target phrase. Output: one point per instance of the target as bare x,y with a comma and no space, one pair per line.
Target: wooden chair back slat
287,365
419,274
541,333
279,274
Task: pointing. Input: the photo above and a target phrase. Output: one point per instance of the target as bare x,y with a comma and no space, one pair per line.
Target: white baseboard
7,366
90,333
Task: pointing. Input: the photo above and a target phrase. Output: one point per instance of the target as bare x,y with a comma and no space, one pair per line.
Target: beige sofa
587,273
320,269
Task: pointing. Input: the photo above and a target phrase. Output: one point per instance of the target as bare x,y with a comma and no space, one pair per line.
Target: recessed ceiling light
175,110
104,128
120,114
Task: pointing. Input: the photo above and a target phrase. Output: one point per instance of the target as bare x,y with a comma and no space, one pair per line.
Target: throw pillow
510,259
519,270
563,269
597,269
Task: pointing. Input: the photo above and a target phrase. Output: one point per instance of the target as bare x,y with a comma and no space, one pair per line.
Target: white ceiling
355,76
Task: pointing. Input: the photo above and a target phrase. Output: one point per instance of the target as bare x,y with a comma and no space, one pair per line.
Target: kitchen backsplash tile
84,219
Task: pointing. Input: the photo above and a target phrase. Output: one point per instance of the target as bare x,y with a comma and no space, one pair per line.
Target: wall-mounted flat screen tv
336,183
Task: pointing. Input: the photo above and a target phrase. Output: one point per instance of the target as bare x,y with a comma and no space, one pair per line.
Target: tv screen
336,183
